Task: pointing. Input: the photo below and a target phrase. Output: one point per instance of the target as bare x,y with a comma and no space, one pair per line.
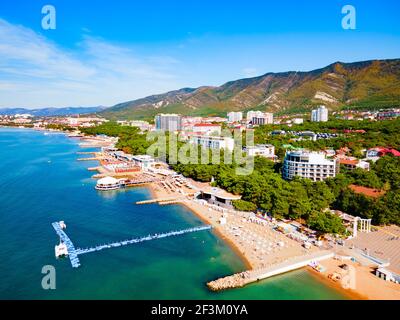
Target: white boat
61,250
62,225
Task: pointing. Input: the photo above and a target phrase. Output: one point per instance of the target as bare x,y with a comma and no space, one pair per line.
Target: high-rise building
235,116
320,114
168,122
309,165
260,118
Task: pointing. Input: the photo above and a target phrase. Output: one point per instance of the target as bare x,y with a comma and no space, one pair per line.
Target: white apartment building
235,116
261,150
320,114
260,118
207,128
212,142
309,165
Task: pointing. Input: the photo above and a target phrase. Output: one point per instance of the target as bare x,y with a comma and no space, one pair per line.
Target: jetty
170,200
73,252
89,159
87,153
241,279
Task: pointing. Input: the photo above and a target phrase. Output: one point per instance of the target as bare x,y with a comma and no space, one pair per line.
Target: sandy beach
367,285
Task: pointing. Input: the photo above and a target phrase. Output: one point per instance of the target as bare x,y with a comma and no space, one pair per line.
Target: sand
367,285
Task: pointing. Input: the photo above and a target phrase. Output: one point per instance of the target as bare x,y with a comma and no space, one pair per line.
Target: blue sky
106,52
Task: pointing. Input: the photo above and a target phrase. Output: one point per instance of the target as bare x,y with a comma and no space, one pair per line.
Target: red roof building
368,192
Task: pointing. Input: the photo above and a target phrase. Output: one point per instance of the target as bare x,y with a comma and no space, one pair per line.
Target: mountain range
51,112
367,84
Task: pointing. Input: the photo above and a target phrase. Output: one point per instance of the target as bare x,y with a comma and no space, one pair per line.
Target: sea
41,182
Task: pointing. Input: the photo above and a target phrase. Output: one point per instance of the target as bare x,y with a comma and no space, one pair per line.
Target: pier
241,279
73,256
73,253
169,200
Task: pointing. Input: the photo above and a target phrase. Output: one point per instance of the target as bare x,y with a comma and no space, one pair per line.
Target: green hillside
366,85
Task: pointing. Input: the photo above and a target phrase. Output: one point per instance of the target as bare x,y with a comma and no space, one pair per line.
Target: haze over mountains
366,84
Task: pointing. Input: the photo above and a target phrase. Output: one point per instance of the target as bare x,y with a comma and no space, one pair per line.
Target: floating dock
73,253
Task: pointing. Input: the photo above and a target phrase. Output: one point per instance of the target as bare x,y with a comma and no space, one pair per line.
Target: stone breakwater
230,282
243,278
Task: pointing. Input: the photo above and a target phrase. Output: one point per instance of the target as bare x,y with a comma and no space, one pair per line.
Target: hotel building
260,118
168,122
309,165
320,114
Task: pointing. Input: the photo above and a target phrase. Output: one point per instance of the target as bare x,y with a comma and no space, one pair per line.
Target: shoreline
348,293
366,291
222,234
248,265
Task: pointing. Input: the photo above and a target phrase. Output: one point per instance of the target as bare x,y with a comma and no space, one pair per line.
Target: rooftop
369,192
220,193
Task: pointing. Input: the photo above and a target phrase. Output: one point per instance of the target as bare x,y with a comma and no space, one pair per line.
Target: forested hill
368,84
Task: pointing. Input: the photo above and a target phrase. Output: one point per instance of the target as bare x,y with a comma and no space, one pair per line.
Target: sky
108,52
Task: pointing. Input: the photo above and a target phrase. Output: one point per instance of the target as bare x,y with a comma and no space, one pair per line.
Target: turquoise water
41,182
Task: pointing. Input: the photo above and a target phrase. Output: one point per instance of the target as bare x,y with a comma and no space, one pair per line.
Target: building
218,197
83,121
298,121
261,150
353,163
212,142
388,115
368,192
374,154
309,165
207,128
168,122
235,116
320,114
145,162
260,118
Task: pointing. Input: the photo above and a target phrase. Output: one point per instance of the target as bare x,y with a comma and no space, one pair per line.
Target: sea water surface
41,181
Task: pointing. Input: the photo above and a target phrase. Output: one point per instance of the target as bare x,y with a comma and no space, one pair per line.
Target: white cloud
35,72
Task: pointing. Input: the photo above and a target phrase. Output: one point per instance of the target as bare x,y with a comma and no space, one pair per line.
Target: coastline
246,253
365,291
350,294
367,285
202,217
